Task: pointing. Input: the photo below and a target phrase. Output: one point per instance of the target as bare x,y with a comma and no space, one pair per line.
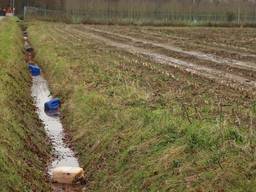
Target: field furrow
229,78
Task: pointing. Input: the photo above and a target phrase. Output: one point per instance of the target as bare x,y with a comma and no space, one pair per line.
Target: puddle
63,155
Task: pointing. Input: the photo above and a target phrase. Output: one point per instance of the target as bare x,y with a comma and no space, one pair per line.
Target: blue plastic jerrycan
52,107
34,69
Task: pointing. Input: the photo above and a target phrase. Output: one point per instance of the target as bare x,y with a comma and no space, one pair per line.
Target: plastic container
67,175
34,69
52,107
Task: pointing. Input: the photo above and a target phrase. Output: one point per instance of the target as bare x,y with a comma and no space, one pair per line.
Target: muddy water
63,155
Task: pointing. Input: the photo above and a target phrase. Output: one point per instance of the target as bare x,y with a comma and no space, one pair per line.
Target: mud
229,79
232,42
197,54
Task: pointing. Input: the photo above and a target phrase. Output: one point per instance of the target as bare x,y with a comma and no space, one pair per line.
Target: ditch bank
23,145
137,130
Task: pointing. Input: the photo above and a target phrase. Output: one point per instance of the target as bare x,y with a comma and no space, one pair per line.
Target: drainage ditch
64,170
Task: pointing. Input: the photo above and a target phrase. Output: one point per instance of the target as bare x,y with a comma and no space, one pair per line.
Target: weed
23,149
133,128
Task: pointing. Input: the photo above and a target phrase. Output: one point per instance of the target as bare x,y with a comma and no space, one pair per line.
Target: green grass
23,151
138,130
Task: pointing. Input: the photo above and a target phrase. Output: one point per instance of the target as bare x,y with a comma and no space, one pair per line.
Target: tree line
186,6
162,5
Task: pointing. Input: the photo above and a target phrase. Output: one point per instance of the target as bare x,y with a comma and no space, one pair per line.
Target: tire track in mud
199,55
219,76
211,47
250,74
221,37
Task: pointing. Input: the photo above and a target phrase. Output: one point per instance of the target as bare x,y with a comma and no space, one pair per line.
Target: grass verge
137,129
23,151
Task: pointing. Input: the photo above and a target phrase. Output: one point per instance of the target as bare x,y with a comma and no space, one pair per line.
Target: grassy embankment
23,151
136,129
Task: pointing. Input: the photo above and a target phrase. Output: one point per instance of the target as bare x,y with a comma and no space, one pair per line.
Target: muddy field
155,108
221,54
226,55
